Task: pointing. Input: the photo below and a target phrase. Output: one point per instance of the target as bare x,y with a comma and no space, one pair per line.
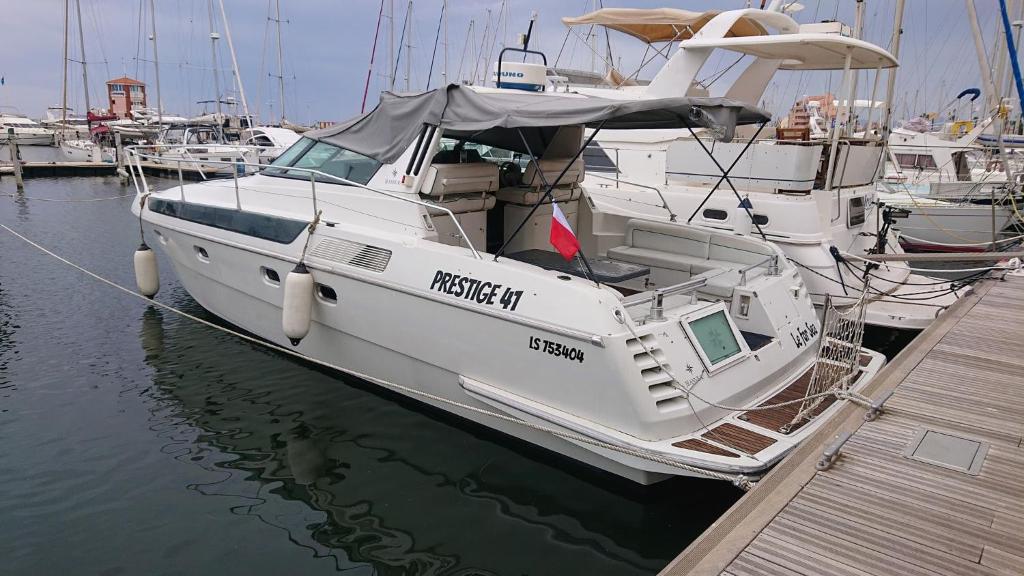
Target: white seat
465,203
445,179
530,196
551,168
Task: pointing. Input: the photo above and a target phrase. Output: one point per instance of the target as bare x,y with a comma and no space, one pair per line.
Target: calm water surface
138,442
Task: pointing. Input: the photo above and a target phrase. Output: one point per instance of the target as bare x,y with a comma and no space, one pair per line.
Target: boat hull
953,228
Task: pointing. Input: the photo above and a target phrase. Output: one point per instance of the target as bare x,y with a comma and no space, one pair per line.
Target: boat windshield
325,158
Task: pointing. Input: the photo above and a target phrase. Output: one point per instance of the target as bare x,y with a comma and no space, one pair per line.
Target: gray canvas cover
504,118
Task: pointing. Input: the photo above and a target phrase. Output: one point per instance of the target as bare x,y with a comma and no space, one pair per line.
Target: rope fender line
741,481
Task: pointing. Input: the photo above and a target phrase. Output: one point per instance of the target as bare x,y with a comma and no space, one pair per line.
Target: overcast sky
327,45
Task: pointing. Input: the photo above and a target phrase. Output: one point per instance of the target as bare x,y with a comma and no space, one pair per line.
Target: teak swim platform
933,485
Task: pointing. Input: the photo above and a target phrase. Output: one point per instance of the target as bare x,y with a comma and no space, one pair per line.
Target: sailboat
407,272
813,197
75,148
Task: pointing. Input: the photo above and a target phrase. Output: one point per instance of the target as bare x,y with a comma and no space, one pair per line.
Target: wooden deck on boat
877,512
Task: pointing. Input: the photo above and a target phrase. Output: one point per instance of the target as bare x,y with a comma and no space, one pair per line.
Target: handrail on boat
136,151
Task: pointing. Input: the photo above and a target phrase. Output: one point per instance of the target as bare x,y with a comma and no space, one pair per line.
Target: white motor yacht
27,132
954,188
202,147
430,271
271,141
813,197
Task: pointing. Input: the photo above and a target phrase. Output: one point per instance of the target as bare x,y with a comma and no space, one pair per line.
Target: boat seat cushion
738,249
668,237
551,168
445,179
464,203
666,260
530,196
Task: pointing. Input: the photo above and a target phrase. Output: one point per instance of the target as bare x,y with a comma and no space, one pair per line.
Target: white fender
297,308
147,277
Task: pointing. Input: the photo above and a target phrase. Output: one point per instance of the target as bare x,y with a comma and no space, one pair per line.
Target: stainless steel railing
136,155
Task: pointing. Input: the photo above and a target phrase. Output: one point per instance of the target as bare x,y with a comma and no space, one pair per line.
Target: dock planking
876,512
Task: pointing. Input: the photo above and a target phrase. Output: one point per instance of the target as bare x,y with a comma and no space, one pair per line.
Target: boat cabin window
917,161
326,158
202,136
760,219
174,136
856,211
596,159
715,214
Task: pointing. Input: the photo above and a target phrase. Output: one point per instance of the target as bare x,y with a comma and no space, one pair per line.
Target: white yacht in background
27,132
651,369
202,147
954,188
813,197
271,141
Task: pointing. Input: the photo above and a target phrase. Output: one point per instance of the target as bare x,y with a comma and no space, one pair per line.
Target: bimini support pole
550,187
725,176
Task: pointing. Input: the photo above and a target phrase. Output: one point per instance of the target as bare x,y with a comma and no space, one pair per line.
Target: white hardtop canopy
804,51
662,24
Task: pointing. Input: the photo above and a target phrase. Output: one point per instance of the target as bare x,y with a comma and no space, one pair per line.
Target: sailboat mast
280,58
156,66
214,36
389,76
85,68
444,11
64,85
234,63
408,45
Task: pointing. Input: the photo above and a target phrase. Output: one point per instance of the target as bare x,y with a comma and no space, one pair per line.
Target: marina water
136,441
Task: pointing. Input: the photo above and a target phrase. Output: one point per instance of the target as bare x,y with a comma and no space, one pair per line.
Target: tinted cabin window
715,214
326,158
760,219
597,160
856,217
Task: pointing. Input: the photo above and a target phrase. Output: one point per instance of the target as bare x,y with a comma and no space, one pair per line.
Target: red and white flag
562,237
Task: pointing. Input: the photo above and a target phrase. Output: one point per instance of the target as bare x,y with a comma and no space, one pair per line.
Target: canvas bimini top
503,118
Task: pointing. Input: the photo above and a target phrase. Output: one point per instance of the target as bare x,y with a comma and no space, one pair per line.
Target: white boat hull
936,225
29,139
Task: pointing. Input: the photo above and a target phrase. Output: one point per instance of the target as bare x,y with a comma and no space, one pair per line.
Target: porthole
270,276
326,293
202,254
715,214
760,219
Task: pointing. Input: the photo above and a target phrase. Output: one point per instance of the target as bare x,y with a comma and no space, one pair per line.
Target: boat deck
935,485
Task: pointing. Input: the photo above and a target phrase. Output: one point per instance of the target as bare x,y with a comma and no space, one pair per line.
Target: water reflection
381,484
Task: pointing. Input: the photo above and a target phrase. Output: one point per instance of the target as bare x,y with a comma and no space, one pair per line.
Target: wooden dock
886,507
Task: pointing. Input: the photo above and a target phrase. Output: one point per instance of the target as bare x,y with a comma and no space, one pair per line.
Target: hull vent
352,254
659,383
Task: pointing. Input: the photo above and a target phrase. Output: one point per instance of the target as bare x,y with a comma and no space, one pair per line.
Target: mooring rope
739,480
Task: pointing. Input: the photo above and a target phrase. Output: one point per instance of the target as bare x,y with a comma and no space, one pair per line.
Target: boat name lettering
556,349
804,335
475,290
